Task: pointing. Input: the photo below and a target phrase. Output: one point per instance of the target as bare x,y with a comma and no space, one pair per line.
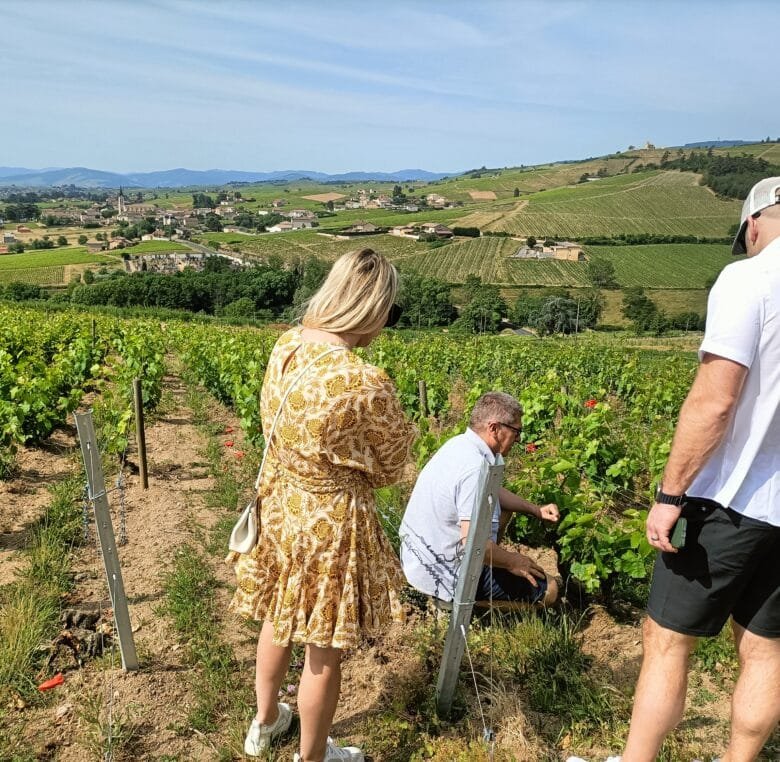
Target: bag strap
281,405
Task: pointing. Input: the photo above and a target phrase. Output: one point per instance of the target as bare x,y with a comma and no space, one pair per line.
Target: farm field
39,276
654,266
599,413
675,265
666,203
768,151
53,258
308,243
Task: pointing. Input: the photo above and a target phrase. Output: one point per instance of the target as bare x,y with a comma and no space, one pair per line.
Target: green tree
484,309
530,242
239,309
82,239
516,192
89,277
642,311
601,272
426,302
62,241
213,223
556,315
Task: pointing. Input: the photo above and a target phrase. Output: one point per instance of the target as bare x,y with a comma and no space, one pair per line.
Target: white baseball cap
763,194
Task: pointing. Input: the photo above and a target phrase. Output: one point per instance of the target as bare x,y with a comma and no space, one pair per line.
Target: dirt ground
158,696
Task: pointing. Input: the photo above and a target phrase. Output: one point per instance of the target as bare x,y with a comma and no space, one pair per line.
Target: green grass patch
150,247
29,612
717,656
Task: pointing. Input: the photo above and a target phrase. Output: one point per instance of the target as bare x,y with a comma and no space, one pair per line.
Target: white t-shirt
743,325
444,495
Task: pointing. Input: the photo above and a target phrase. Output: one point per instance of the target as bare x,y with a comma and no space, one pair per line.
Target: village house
280,227
436,201
564,251
119,243
301,224
93,247
91,217
404,231
362,227
278,203
384,201
568,251
301,214
435,228
9,238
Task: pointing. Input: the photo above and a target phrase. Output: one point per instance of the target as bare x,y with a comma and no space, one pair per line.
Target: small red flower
531,447
591,403
229,429
229,443
58,679
238,453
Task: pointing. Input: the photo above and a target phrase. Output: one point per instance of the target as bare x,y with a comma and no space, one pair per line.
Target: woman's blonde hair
356,296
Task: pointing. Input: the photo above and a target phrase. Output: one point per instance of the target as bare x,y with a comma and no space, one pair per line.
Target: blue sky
338,86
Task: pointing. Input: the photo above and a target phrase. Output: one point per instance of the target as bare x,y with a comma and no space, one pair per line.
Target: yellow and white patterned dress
323,570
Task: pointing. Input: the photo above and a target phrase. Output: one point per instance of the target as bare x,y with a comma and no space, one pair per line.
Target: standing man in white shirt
723,476
436,521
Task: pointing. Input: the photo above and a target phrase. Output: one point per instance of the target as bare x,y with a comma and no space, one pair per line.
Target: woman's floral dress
323,571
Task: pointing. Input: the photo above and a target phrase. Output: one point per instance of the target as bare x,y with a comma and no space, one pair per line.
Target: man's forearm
497,556
704,419
515,504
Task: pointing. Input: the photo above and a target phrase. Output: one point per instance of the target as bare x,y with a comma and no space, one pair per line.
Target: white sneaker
335,753
580,759
258,739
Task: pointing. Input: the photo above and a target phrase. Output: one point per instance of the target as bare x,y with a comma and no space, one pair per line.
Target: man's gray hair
495,406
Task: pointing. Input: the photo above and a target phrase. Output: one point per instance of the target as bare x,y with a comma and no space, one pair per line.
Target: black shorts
500,585
730,566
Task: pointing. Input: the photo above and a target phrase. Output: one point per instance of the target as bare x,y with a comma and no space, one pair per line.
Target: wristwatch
663,497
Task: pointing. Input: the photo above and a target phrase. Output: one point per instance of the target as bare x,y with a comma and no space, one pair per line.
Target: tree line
275,290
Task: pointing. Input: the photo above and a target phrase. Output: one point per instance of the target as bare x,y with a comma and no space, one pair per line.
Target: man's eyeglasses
517,430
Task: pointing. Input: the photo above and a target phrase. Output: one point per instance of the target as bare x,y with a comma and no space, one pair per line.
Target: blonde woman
323,572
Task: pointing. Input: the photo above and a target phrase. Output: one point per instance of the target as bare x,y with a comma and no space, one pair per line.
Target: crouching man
436,522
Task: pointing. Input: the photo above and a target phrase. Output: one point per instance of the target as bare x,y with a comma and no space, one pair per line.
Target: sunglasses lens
394,316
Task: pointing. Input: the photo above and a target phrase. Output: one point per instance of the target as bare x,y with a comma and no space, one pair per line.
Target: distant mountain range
177,178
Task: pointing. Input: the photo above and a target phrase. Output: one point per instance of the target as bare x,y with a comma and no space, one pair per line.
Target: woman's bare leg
318,696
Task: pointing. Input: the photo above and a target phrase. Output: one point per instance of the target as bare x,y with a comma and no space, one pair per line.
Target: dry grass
325,197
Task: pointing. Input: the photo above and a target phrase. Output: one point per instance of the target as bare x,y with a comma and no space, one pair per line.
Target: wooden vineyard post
140,433
105,530
466,589
423,391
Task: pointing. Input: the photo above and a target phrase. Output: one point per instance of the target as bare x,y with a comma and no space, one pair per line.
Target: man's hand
660,521
549,512
523,566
